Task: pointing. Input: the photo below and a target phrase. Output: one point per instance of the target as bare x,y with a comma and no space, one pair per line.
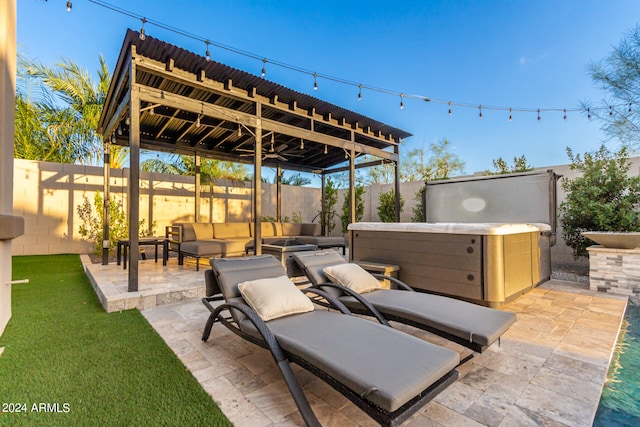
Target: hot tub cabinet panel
489,269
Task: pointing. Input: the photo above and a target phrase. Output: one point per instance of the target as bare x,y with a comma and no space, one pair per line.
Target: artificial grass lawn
109,368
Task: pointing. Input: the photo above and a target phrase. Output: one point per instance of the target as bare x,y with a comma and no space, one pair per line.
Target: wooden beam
170,63
257,186
359,166
293,105
134,177
114,95
166,125
201,75
227,89
149,94
252,92
115,118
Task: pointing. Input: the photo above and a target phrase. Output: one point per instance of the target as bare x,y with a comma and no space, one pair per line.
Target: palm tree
57,113
185,165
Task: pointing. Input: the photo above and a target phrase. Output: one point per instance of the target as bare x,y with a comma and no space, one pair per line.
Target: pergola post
396,173
134,176
257,184
106,199
323,213
352,191
278,193
196,212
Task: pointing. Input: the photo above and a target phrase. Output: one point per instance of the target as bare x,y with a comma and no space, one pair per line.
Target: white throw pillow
353,277
275,297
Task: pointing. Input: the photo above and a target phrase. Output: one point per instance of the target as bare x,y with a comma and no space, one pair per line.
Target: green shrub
418,209
330,200
387,206
345,217
603,198
92,218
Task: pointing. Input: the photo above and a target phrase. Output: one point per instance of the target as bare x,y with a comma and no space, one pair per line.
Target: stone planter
614,270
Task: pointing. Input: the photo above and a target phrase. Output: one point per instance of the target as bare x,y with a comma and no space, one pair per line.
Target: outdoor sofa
224,239
469,324
388,374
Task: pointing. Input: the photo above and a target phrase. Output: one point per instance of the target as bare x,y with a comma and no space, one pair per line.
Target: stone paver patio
548,370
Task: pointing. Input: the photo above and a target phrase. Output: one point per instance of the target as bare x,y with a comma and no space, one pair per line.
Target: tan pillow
353,277
275,297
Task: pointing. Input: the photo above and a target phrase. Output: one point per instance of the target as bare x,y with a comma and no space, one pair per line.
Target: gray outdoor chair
468,324
388,374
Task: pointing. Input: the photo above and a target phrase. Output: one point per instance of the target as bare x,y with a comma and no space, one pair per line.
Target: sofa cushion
203,230
188,234
291,229
310,229
225,230
209,247
267,229
274,297
322,241
235,246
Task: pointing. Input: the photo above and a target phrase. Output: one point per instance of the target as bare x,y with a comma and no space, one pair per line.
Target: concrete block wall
47,195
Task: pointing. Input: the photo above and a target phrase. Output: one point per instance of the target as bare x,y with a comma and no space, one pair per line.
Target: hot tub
486,263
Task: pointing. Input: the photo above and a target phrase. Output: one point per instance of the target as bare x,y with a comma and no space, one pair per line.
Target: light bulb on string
264,67
360,93
629,108
538,115
239,131
315,81
119,130
510,114
69,6
152,111
450,110
610,111
402,101
565,115
142,34
207,54
301,144
325,149
480,115
589,113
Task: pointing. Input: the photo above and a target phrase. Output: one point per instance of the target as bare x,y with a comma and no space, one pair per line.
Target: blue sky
520,54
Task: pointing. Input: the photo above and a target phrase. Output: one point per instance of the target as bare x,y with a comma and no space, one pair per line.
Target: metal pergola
165,98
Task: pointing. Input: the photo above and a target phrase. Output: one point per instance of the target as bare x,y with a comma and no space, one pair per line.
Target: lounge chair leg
298,395
197,263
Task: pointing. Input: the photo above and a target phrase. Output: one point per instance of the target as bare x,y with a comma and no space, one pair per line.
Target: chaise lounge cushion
478,324
274,297
291,229
195,231
335,344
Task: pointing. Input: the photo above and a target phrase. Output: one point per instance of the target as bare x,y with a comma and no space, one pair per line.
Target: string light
538,115
480,115
610,111
69,6
510,114
198,121
152,111
402,101
142,34
565,115
207,55
239,130
301,144
325,149
298,69
264,67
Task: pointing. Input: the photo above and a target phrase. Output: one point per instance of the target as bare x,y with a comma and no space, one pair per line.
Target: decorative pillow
353,277
275,297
